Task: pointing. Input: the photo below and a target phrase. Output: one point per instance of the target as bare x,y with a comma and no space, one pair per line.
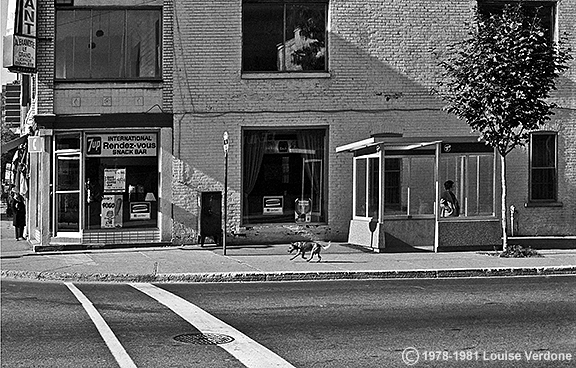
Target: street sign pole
225,145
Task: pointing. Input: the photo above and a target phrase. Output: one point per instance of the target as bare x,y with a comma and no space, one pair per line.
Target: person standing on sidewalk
19,213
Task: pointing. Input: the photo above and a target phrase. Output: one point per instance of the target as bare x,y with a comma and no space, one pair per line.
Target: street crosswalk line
247,351
110,339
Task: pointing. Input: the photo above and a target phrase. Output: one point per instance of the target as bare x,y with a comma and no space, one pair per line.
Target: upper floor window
543,169
108,44
284,36
543,10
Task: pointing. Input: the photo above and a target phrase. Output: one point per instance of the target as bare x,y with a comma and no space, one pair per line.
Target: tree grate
204,338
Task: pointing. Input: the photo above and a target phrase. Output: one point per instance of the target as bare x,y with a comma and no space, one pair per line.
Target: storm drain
204,338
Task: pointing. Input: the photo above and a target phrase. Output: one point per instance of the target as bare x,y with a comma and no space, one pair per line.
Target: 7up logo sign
94,145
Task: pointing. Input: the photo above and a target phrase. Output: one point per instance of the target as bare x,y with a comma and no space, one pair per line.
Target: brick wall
45,57
381,72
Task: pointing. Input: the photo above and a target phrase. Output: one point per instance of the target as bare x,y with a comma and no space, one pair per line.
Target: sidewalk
191,263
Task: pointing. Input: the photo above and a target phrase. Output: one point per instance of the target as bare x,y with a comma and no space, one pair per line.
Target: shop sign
111,211
36,144
121,145
20,37
273,205
114,180
140,210
20,54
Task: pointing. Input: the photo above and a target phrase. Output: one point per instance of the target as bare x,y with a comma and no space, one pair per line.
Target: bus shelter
398,183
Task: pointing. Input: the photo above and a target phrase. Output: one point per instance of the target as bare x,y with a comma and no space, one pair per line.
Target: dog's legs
312,256
297,254
319,258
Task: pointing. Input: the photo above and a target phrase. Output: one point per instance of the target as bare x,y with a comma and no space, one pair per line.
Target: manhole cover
204,338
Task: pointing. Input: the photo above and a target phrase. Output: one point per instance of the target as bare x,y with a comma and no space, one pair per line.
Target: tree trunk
503,203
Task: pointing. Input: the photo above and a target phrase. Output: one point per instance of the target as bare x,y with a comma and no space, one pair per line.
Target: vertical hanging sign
19,54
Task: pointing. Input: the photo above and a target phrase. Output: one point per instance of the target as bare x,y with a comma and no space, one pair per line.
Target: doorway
67,195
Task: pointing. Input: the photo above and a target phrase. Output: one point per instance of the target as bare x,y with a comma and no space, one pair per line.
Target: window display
121,172
284,176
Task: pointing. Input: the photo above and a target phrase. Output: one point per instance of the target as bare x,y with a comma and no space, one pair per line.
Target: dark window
543,10
108,44
543,174
283,36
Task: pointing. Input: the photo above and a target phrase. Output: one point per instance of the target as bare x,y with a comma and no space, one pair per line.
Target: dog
301,247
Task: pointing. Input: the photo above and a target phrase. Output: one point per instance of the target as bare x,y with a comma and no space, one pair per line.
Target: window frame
288,74
367,186
125,9
531,168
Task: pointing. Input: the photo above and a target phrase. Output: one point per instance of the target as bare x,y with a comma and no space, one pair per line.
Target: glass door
67,194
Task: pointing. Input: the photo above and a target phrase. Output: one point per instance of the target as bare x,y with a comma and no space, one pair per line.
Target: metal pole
226,145
225,200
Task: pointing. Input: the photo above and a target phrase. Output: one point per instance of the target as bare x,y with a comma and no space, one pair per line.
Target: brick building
333,131
11,105
101,158
236,70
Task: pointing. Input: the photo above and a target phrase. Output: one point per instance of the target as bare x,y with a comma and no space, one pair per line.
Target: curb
219,277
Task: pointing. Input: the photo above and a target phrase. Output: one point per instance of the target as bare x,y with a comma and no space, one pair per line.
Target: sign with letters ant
121,145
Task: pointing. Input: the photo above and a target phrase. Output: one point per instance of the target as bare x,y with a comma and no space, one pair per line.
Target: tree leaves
499,79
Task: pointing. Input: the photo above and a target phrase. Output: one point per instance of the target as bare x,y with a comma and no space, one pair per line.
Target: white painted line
247,351
110,339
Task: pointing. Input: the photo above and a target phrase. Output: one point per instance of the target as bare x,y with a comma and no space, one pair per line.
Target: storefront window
121,180
283,176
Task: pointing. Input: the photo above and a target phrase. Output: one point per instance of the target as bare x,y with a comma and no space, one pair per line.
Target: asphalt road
505,322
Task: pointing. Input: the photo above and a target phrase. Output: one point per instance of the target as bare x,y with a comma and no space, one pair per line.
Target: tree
499,80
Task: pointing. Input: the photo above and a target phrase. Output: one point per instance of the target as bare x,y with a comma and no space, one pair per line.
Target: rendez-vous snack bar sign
121,145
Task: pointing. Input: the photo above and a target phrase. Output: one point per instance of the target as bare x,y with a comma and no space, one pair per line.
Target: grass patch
514,251
518,251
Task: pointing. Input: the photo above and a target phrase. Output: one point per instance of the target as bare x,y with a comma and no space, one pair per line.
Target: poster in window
303,210
111,211
114,180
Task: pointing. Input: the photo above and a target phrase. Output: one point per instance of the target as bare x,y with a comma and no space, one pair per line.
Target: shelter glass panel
473,177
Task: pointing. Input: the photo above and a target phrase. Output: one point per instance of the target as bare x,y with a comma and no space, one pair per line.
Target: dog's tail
326,246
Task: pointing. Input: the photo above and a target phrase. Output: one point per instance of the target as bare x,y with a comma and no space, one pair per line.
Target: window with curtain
543,167
284,36
102,44
284,176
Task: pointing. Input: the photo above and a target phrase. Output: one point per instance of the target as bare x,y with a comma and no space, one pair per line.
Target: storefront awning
13,143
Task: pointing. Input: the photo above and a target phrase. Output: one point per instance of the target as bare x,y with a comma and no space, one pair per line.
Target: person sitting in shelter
449,206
